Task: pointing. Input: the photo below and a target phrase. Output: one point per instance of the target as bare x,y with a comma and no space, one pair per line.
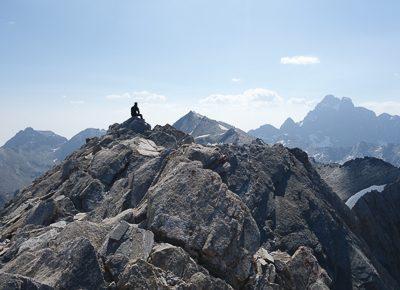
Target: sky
68,65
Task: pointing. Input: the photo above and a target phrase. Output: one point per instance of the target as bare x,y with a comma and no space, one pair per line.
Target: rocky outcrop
150,209
279,270
17,282
211,222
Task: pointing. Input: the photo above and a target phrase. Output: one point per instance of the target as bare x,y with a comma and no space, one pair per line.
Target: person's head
135,103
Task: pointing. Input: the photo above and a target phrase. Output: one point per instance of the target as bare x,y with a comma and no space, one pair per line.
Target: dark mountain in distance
30,153
337,131
208,131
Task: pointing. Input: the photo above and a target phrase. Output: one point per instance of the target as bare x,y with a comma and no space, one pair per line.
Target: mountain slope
356,175
77,141
379,222
25,157
30,153
208,131
128,204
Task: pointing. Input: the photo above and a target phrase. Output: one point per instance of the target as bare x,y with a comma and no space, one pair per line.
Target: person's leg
141,116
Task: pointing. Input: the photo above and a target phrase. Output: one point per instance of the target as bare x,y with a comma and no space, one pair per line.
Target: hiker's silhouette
135,112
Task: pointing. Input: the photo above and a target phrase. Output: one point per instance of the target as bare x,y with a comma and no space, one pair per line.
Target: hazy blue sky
68,65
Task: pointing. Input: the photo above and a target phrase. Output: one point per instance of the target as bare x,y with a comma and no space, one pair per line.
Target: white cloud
390,107
251,97
140,96
236,80
253,108
300,60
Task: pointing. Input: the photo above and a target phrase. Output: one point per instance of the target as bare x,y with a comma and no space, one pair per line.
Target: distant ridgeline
335,131
142,208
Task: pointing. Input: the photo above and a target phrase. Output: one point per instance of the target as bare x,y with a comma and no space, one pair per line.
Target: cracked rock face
150,209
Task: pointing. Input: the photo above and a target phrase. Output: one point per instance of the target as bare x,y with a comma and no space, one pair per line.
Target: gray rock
306,271
137,125
115,265
139,274
42,214
94,232
209,221
107,163
92,195
18,282
176,260
170,137
129,241
72,265
38,242
118,232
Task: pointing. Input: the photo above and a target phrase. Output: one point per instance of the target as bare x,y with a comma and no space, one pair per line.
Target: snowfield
353,200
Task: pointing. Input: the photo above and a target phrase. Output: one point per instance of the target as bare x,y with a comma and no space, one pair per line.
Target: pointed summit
289,125
329,101
332,102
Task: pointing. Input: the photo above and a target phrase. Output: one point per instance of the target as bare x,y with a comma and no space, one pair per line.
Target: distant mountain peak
30,139
209,131
288,125
334,122
332,102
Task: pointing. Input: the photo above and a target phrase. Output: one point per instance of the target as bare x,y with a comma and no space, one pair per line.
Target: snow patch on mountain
353,200
222,127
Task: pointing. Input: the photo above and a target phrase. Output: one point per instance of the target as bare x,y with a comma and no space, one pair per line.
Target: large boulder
279,270
179,262
70,265
191,207
107,163
128,240
125,242
18,282
137,125
139,274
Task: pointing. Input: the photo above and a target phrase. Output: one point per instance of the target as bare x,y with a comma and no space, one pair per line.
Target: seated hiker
135,112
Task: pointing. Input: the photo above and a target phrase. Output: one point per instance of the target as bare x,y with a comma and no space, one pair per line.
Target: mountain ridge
240,216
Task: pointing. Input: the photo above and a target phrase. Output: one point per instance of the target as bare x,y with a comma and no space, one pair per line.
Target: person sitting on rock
135,112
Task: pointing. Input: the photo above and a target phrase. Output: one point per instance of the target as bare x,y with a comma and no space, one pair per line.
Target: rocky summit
142,208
